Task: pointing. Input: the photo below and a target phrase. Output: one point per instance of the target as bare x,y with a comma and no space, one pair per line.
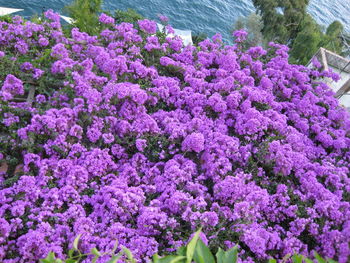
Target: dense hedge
133,137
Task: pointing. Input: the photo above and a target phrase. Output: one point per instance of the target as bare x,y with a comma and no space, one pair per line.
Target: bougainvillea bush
131,136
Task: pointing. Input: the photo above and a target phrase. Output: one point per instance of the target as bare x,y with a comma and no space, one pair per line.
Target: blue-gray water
209,16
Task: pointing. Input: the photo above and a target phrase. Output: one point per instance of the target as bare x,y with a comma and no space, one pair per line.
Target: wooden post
324,59
30,97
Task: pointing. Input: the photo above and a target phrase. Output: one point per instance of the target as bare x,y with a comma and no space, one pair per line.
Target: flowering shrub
196,251
131,136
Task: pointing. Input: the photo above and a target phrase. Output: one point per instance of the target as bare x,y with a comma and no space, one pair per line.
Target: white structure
69,20
341,66
6,11
186,35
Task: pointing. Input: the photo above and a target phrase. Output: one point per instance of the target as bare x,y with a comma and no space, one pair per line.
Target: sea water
207,16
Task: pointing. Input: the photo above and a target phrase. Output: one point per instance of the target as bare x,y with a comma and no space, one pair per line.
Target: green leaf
181,251
319,258
178,259
76,241
231,255
192,246
49,259
307,260
115,258
70,260
272,260
94,260
129,255
297,258
331,260
202,253
285,258
71,252
95,252
169,259
220,256
115,247
155,258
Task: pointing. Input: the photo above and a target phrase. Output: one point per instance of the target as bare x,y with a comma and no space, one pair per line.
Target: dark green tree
128,16
253,25
333,38
85,14
287,22
281,18
307,42
198,37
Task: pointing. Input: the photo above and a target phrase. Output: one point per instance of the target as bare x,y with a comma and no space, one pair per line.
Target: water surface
209,16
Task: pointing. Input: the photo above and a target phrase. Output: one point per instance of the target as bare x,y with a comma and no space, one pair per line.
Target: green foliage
281,18
202,253
287,22
75,255
311,38
196,38
332,40
195,251
307,42
6,18
229,256
253,25
85,15
335,29
128,16
191,247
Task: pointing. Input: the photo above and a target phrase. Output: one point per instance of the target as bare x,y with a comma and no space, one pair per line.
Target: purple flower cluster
12,86
148,26
105,19
147,140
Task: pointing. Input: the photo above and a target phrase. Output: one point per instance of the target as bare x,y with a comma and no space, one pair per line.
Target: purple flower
169,29
59,51
93,134
27,66
76,131
43,41
105,19
37,73
108,138
148,26
141,144
22,47
163,18
193,142
40,98
124,144
240,35
12,86
202,237
50,14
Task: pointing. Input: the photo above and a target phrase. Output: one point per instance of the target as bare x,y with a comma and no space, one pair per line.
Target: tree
198,37
128,16
307,42
281,18
287,22
253,25
85,15
333,38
